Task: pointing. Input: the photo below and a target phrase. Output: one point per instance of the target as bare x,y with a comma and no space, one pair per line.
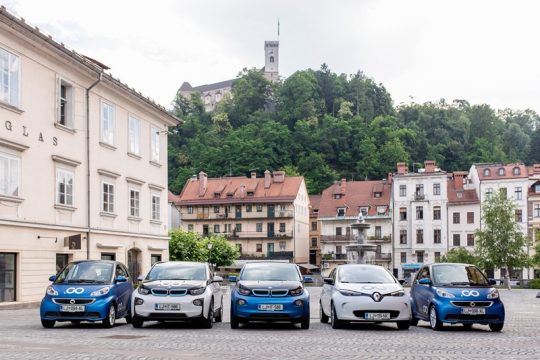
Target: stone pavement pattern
22,337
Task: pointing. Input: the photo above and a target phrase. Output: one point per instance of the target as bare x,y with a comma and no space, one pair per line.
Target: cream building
83,164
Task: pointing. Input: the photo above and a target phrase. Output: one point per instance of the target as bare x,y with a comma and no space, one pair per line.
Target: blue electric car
270,291
90,290
455,294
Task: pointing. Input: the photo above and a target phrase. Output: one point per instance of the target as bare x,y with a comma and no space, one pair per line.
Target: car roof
180,263
269,263
449,263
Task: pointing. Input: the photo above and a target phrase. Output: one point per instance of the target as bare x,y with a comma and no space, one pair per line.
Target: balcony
259,235
334,257
336,238
383,257
419,197
276,255
380,239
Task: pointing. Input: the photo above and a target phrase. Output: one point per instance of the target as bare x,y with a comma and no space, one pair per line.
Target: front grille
457,317
160,292
169,292
167,316
261,292
54,314
177,292
64,301
270,317
280,292
270,292
472,303
362,313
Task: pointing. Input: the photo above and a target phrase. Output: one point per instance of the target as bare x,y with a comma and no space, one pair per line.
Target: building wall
463,228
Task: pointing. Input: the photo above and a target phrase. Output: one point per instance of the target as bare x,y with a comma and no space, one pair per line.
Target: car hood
77,290
466,293
167,284
252,284
370,288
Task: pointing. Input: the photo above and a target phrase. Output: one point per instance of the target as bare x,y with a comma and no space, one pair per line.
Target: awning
308,266
411,266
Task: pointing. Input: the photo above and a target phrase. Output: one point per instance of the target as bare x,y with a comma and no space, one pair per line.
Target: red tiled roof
315,201
173,198
460,196
508,171
357,194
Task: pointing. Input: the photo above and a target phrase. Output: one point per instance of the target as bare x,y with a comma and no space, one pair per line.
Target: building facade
314,231
533,227
264,217
83,165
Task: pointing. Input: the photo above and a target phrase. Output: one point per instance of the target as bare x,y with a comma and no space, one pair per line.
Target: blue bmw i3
89,290
269,291
455,294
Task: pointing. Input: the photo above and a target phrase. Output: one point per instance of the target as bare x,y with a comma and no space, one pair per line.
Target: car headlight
102,291
445,294
398,293
297,291
143,291
493,294
51,291
197,291
349,292
243,291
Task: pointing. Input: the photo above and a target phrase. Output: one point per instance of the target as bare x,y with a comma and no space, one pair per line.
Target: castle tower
271,60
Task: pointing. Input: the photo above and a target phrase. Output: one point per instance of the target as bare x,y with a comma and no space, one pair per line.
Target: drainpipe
88,163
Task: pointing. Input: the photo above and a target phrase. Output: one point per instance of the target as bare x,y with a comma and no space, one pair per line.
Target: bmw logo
72,301
376,296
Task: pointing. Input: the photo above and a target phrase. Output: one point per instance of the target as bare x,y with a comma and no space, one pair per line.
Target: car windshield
88,272
177,271
364,275
270,272
458,275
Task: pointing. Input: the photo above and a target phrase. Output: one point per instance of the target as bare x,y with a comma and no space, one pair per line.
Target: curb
19,305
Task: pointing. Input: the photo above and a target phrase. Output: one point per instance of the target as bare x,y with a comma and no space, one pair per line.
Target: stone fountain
361,252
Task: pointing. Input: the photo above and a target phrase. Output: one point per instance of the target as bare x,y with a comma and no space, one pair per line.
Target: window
216,229
338,249
61,261
381,210
108,256
271,59
437,189
419,213
65,104
238,228
419,236
518,194
190,227
258,227
536,210
156,208
403,236
489,192
259,247
437,256
216,209
341,212
419,189
420,257
259,208
10,168
190,209
108,126
281,227
64,187
313,226
455,218
154,144
402,190
487,172
470,239
470,217
456,240
337,196
107,196
154,258
403,257
134,135
134,202
207,99
249,208
338,230
537,188
282,245
516,171
9,78
501,172
436,213
314,242
504,192
402,214
377,194
519,215
437,236
364,210
378,232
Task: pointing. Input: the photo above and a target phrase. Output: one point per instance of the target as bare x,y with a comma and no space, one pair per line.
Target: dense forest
326,126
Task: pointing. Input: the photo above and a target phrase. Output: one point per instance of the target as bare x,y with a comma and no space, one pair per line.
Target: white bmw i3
364,293
178,291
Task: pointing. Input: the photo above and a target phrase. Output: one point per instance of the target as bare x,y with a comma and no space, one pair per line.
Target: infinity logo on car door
470,293
73,290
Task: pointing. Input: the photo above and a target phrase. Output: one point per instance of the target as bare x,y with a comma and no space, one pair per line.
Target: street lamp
209,246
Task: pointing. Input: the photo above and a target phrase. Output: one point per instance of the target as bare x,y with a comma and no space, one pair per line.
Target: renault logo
72,301
376,296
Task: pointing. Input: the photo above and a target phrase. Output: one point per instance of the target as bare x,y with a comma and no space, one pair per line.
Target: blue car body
78,301
456,303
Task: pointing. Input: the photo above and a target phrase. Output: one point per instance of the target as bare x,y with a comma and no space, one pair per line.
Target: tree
221,252
501,241
460,255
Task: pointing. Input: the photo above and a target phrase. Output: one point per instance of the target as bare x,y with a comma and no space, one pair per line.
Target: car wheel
219,315
208,322
434,321
109,321
403,325
137,322
322,316
48,324
414,321
496,327
467,326
336,323
128,317
304,324
234,321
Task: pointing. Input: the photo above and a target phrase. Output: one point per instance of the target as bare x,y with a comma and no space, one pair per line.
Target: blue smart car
270,291
89,290
455,294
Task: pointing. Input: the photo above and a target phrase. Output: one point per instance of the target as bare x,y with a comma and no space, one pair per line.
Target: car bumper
355,308
188,311
451,314
250,310
95,311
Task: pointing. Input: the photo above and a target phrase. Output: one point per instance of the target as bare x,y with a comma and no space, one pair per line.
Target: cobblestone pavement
22,337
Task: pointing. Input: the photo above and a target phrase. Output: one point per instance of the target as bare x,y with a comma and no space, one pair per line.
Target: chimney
279,176
253,175
343,184
429,166
459,177
267,179
203,183
402,168
242,190
390,177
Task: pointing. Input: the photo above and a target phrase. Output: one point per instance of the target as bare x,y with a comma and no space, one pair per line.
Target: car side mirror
52,278
140,278
492,282
424,281
121,279
328,281
217,279
308,279
233,279
401,281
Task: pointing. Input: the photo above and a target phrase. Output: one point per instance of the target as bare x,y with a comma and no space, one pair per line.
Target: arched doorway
133,263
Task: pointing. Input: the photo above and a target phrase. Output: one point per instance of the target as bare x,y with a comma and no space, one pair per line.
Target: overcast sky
482,51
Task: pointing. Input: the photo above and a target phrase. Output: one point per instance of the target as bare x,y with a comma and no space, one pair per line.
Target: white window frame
518,193
536,210
134,135
65,174
7,187
134,203
68,116
154,146
110,199
108,136
155,210
12,93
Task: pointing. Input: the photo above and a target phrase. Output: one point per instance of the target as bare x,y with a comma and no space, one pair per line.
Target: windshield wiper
461,283
85,281
364,282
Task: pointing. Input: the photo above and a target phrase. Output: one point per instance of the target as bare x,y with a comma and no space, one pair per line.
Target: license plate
473,311
271,307
72,308
377,316
168,307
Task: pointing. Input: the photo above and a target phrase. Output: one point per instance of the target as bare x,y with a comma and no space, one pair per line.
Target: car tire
208,322
496,327
137,322
414,321
109,321
128,317
304,324
322,316
336,323
403,325
219,315
234,321
434,321
47,324
467,326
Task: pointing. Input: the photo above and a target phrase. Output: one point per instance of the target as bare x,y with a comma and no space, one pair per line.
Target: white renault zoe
364,293
178,291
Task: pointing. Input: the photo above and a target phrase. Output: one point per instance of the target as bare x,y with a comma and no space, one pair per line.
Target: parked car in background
178,291
363,293
88,290
456,294
270,291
